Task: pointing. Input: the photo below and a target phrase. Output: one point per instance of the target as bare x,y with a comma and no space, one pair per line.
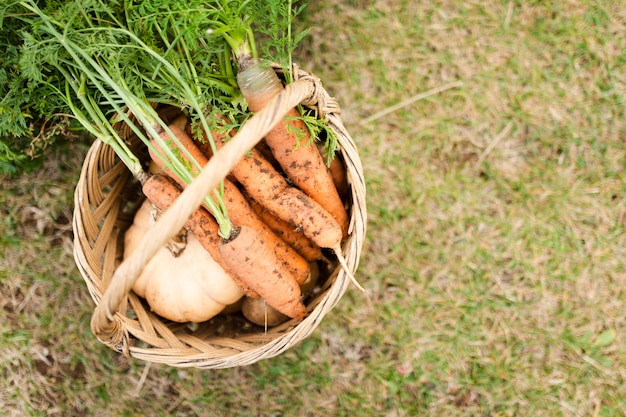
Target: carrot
268,187
162,193
239,210
289,142
180,122
303,245
338,174
267,154
242,214
248,255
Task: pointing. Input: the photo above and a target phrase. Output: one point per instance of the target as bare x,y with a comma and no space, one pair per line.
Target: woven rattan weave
106,198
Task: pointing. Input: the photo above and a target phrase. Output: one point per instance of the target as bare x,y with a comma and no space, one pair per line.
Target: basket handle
103,322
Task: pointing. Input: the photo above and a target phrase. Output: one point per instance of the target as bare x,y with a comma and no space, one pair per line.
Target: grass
495,264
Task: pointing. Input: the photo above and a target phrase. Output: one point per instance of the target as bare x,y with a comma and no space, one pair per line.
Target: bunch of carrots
280,207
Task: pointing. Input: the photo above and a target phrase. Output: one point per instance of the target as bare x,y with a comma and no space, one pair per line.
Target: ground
493,139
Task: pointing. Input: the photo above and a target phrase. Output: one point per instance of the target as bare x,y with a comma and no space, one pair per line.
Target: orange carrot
239,210
267,186
162,193
338,174
267,154
249,256
294,237
289,142
242,214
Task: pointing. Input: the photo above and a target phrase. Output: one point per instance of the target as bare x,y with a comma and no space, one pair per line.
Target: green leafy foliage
34,114
275,22
93,56
24,108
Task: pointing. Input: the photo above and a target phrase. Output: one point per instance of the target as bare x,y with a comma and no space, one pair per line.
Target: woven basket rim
145,336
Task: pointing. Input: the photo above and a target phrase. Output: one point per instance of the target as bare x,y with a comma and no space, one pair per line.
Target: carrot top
113,61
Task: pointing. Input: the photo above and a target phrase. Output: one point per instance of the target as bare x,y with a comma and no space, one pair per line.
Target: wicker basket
106,198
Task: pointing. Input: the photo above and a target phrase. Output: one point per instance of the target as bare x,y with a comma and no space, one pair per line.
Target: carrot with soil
270,189
249,256
290,234
291,144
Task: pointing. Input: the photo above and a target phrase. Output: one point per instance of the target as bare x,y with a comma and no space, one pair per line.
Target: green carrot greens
105,63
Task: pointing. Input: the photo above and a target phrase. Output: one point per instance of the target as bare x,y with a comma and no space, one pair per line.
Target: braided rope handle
104,323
